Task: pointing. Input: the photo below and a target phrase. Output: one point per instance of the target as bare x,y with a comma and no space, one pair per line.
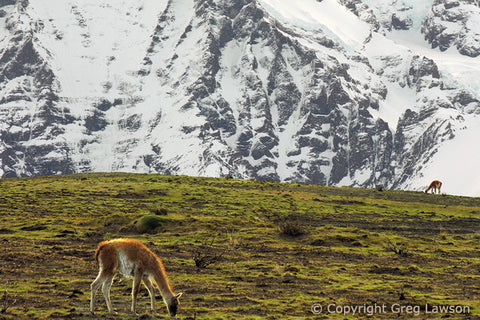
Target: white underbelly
125,266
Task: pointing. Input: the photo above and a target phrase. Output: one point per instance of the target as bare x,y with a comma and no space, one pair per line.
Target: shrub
291,226
398,248
442,236
207,254
149,223
413,268
6,302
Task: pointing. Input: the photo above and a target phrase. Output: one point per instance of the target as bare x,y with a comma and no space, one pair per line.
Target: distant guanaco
434,186
132,258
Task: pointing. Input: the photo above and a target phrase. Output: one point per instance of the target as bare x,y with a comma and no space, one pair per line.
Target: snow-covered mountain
337,92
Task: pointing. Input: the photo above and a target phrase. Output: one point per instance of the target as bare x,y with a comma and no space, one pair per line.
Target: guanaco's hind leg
151,292
104,280
106,292
94,287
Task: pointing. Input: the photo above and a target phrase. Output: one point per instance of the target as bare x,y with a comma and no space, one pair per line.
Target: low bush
400,248
291,226
208,253
150,222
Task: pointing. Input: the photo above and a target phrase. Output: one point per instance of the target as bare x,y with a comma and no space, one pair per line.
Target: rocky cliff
229,88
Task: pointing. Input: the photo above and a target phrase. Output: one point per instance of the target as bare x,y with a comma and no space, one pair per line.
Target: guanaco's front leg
151,292
137,280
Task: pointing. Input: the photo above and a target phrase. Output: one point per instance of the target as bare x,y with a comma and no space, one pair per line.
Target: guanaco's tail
100,247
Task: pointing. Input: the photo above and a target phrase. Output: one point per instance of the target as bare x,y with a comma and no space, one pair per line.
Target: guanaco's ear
179,295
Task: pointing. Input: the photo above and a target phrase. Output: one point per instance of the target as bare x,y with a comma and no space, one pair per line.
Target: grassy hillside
239,249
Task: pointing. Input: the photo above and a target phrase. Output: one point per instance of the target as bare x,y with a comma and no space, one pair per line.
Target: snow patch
327,15
398,100
459,69
456,163
95,45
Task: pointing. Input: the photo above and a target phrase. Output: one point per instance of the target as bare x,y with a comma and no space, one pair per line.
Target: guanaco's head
172,305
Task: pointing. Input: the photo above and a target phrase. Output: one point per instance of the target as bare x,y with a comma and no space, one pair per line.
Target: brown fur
132,258
100,246
135,251
434,186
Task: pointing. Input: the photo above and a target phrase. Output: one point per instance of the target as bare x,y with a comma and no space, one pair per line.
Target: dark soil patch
408,226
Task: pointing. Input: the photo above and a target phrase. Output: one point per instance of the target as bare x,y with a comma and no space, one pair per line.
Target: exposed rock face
217,88
387,14
363,11
454,23
31,121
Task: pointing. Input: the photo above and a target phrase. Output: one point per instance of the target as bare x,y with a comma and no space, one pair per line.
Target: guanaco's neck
161,279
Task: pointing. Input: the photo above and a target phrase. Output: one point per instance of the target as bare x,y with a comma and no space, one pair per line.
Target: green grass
355,246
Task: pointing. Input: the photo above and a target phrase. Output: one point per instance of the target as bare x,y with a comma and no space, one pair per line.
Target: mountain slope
252,89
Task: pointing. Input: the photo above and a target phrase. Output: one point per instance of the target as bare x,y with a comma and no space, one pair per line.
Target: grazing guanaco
434,186
132,258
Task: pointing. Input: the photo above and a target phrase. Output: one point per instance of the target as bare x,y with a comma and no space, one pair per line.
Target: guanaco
132,258
434,186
